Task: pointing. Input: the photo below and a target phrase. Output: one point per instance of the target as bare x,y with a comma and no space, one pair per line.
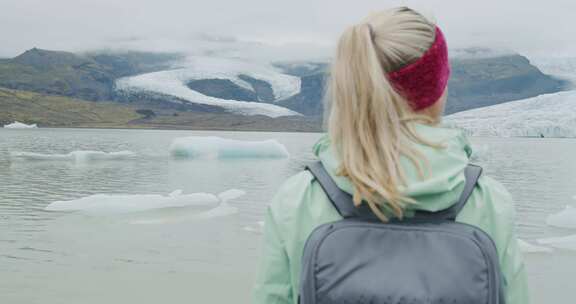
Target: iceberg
563,242
257,228
115,204
19,125
173,83
76,156
219,148
221,210
531,248
564,219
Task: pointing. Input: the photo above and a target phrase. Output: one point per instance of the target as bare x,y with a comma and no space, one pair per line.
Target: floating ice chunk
77,156
531,248
221,210
19,125
563,242
257,228
564,219
111,204
175,193
216,147
230,195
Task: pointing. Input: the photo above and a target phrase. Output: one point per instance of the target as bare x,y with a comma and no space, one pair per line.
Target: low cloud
298,27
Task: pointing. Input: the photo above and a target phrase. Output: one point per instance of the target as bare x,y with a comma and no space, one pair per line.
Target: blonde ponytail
368,121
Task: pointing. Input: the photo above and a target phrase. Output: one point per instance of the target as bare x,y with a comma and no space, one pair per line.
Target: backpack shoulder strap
343,202
472,174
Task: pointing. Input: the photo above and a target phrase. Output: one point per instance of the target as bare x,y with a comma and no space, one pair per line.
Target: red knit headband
424,81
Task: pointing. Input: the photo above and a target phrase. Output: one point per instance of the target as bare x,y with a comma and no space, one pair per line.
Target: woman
386,95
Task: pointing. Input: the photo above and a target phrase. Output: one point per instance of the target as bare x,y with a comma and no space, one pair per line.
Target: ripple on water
538,173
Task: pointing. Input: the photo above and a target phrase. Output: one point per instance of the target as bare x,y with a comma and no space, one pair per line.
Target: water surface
53,257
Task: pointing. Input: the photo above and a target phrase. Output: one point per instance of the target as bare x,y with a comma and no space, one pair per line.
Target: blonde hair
369,123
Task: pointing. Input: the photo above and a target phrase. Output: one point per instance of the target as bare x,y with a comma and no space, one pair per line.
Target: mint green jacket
300,205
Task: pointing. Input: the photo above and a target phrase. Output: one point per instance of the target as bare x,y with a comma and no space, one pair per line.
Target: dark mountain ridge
475,82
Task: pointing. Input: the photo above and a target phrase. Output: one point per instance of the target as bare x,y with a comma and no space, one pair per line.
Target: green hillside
88,76
59,111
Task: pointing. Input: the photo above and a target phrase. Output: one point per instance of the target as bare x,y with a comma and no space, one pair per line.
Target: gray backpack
427,259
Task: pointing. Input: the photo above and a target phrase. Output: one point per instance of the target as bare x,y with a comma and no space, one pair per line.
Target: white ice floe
221,210
19,125
76,156
563,219
531,248
114,204
563,242
218,148
257,228
173,83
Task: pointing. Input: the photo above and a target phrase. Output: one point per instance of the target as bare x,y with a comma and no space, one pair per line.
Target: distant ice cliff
549,115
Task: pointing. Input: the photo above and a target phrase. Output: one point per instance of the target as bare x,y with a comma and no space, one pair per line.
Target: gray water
54,257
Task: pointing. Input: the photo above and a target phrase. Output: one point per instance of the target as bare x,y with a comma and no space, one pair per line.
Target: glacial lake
198,254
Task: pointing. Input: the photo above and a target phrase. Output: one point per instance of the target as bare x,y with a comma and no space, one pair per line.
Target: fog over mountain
296,27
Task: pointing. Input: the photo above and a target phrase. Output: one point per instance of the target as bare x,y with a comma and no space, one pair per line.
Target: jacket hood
442,186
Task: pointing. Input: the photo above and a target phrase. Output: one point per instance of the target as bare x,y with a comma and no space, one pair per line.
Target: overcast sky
520,25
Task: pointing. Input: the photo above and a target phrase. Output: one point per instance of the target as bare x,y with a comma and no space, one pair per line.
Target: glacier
75,156
548,115
212,147
116,204
173,83
19,125
564,219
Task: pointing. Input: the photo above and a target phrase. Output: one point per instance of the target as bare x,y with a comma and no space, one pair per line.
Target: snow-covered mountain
174,83
252,79
226,76
549,115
